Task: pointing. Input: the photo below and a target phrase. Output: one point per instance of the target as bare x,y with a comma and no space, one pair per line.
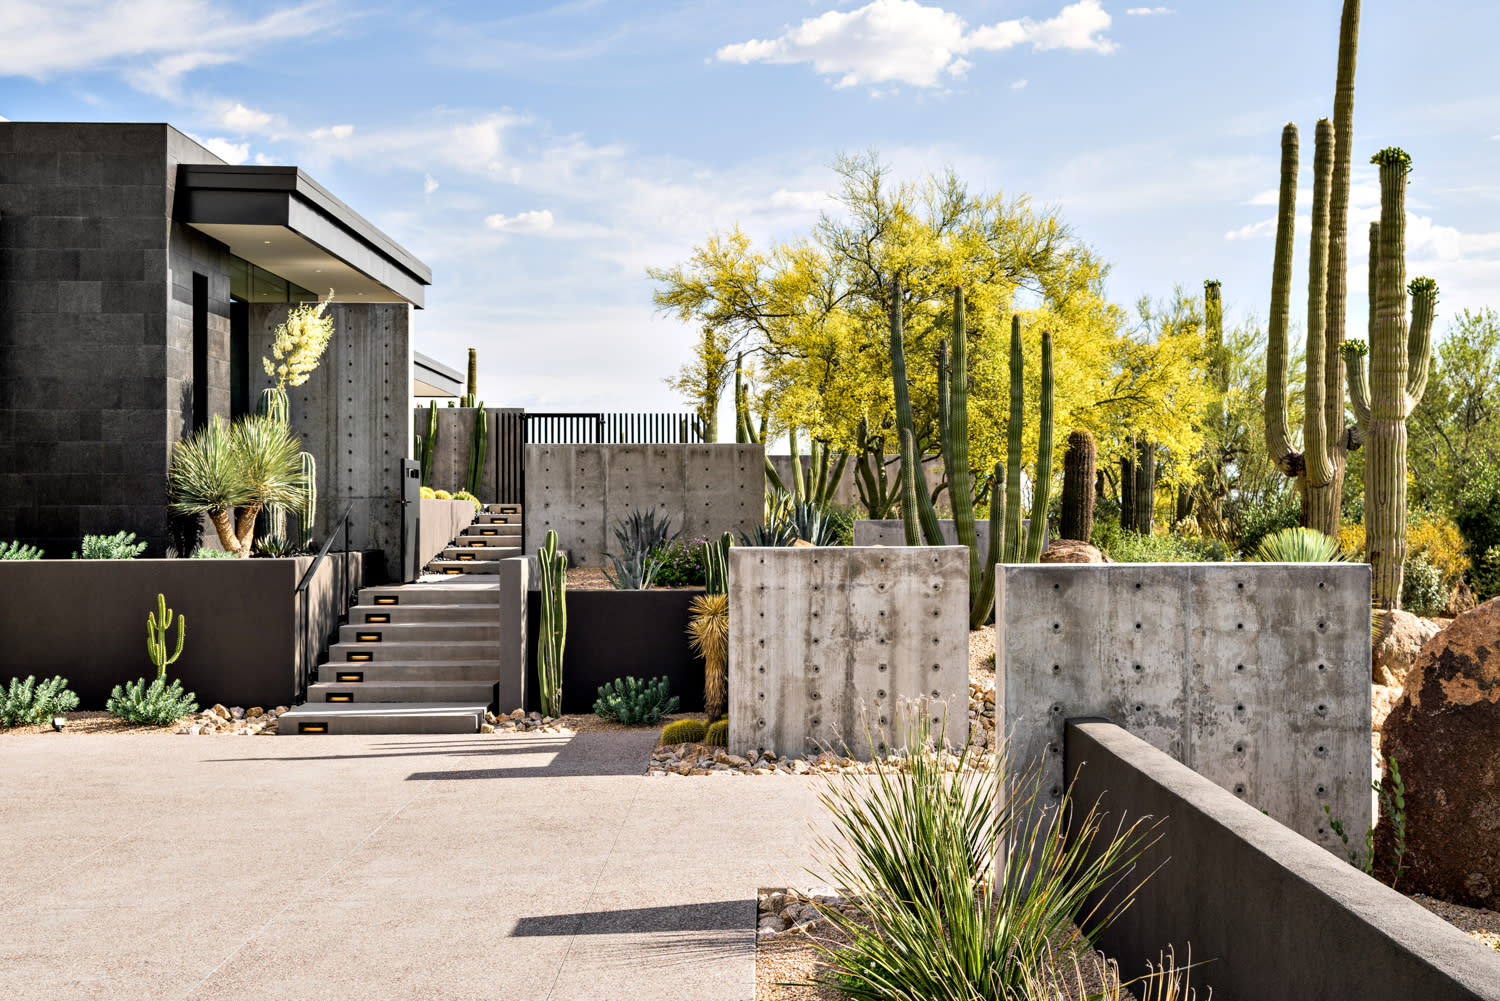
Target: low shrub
843,517
155,704
718,734
120,546
1437,540
205,553
1422,590
629,701
684,731
27,702
681,564
1124,546
16,551
465,495
1484,578
1265,516
428,493
441,495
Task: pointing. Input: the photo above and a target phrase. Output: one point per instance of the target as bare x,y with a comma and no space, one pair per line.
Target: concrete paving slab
379,866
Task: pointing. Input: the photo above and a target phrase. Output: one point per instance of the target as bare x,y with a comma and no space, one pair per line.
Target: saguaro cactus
158,624
1386,393
1319,467
472,387
1078,486
554,625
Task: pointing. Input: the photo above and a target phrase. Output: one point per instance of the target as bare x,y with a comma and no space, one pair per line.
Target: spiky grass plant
30,701
967,886
1066,980
231,471
1299,545
708,636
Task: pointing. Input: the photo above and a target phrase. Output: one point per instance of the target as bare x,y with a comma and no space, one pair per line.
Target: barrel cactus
1078,486
684,731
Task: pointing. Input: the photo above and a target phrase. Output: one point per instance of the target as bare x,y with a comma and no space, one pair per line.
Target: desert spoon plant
156,703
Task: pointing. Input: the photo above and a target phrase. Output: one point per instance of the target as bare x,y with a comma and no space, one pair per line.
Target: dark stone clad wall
95,328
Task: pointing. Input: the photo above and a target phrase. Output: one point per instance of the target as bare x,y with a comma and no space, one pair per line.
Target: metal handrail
343,522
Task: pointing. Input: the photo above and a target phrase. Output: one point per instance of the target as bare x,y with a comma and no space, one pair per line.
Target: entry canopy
282,220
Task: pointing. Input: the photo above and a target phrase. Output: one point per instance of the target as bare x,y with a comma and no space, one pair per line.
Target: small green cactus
684,731
158,624
29,702
718,734
628,701
430,442
307,506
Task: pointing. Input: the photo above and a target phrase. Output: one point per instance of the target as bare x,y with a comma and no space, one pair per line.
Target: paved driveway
510,867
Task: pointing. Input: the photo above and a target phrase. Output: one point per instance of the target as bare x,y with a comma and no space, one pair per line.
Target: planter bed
614,634
250,638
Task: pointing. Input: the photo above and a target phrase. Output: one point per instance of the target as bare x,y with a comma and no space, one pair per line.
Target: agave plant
231,471
1298,545
814,524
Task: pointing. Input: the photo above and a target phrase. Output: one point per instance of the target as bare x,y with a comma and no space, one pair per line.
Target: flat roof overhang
430,377
280,219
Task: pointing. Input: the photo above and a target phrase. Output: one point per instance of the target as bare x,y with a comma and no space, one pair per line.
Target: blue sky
540,156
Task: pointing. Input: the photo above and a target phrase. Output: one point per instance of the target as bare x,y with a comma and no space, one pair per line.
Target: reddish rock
1073,551
1445,735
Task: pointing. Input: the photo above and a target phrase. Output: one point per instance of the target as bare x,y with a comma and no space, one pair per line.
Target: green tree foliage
812,314
1455,430
702,380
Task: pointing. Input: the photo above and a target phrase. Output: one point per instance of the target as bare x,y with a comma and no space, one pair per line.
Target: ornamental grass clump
968,889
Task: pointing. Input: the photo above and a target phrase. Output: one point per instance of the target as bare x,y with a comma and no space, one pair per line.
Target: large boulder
1445,736
1399,637
1073,551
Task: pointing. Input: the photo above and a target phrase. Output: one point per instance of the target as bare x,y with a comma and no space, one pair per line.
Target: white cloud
1019,84
227,151
904,41
265,161
429,184
523,222
1148,11
238,118
802,201
47,37
332,132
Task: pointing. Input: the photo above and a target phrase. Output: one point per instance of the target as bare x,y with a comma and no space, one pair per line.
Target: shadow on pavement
718,915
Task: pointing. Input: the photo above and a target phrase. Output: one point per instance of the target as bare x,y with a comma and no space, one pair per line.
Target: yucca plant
231,471
965,883
1298,545
708,635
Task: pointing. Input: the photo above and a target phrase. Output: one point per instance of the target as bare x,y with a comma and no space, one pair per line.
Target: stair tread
386,709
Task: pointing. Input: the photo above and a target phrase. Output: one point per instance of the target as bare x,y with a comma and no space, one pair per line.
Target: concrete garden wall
1267,914
829,643
250,639
439,523
581,491
1254,675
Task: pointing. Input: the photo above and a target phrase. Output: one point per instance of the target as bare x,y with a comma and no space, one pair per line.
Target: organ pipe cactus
924,514
158,625
478,440
472,386
307,505
554,625
1079,464
1319,467
1387,389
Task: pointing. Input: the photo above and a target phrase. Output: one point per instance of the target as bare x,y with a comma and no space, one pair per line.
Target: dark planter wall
615,634
249,637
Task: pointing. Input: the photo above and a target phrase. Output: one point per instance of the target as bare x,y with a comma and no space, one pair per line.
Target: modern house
141,282
431,379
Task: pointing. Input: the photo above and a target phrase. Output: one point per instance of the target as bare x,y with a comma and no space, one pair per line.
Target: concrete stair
495,535
413,658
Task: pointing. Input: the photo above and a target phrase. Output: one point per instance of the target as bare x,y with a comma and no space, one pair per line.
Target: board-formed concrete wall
829,643
1255,675
582,491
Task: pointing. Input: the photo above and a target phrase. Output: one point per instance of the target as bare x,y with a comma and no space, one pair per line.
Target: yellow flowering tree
300,343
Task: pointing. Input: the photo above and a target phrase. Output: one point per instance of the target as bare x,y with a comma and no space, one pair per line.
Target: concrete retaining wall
439,523
582,491
250,639
829,643
1267,914
1255,675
